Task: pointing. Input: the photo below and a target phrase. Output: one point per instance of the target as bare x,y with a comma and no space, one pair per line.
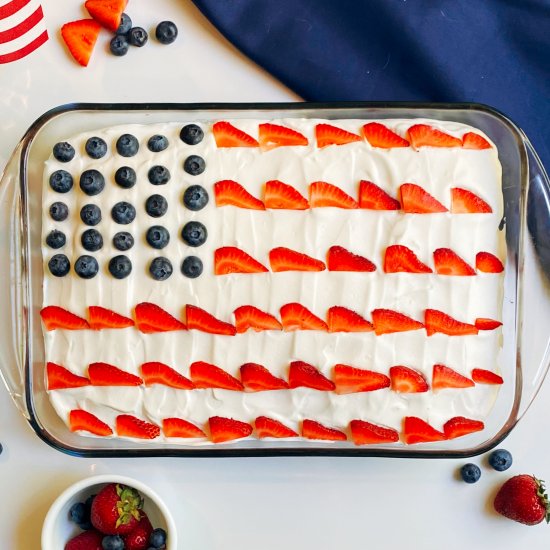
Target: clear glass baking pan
526,308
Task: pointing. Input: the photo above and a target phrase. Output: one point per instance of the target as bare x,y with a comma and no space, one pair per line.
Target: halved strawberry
101,318
353,380
373,197
445,377
250,317
470,140
437,321
327,134
466,202
342,319
257,378
340,259
315,430
297,317
447,262
416,200
379,135
488,263
80,37
386,321
416,430
227,135
323,194
422,135
128,425
199,319
231,193
230,259
483,376
401,259
365,433
286,259
304,375
275,135
482,323
281,196
206,375
267,427
103,374
55,317
80,420
177,427
152,318
60,378
106,12
155,372
227,429
459,426
407,380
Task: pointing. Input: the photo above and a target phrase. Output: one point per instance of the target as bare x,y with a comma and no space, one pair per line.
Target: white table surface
244,504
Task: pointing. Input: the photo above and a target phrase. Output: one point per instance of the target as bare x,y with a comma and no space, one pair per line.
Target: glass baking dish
526,307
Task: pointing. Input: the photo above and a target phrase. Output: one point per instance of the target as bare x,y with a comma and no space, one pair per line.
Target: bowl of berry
108,512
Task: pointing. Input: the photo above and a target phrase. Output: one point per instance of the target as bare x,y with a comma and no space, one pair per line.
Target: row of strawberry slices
376,134
150,318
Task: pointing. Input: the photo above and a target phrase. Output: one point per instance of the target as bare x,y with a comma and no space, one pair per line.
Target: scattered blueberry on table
195,197
91,240
194,165
192,267
138,36
90,214
59,211
59,265
120,267
157,143
194,233
158,175
125,177
63,151
500,460
127,145
470,473
61,181
125,25
56,239
157,236
123,213
123,241
156,206
160,269
119,45
166,32
92,182
191,134
96,148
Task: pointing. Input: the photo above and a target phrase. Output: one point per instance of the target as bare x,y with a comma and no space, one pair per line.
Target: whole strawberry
116,509
138,539
522,498
87,540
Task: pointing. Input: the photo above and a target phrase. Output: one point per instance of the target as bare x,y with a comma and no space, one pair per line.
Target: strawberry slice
206,375
365,433
416,430
327,134
373,197
55,317
80,420
281,196
231,193
379,135
417,201
297,317
101,318
470,140
459,426
447,262
386,321
353,380
80,37
466,202
155,372
401,259
482,323
407,380
285,259
152,318
177,427
128,425
437,321
227,135
230,259
199,319
304,375
340,259
250,317
267,427
60,378
106,12
342,319
422,135
482,376
103,374
445,377
488,263
257,378
274,135
227,429
314,430
323,194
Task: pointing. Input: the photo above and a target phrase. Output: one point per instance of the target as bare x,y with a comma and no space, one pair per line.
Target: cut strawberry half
482,323
275,135
227,429
466,202
365,433
482,376
281,196
386,321
422,135
267,427
373,197
101,318
230,259
342,319
55,317
80,38
459,426
416,200
83,421
231,193
297,317
416,430
227,135
152,318
128,425
407,380
199,319
445,377
315,430
103,374
177,427
286,259
60,378
155,372
470,140
353,380
323,194
437,321
401,259
304,375
205,375
381,136
327,134
447,262
257,378
108,13
250,317
488,263
340,259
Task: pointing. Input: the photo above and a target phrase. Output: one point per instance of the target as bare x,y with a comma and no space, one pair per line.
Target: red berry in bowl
116,510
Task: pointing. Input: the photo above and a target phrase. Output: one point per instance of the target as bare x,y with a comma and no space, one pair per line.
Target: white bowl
58,529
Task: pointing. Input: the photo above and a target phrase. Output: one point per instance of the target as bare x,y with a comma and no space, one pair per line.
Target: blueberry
191,134
125,177
194,165
123,241
63,151
120,267
125,24
59,211
470,473
156,206
157,236
56,239
77,513
90,214
191,267
166,32
127,145
86,524
61,181
158,175
59,265
160,269
96,148
500,460
112,542
123,212
92,182
86,267
194,233
91,240
195,197
119,45
138,36
157,143
157,538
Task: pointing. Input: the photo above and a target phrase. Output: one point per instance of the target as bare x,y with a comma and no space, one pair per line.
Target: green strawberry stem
129,504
